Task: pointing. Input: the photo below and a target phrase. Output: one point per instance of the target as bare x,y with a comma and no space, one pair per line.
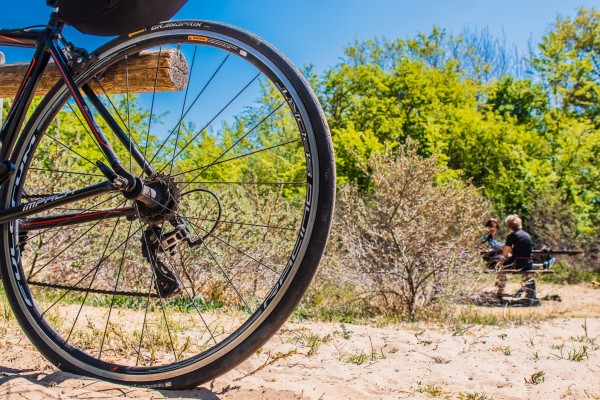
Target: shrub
412,240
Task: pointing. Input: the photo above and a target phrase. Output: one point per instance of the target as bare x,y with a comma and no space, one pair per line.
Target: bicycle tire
253,319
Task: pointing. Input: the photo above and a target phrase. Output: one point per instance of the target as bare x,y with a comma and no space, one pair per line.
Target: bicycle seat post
55,22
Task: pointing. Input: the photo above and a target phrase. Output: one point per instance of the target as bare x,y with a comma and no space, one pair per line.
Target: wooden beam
138,74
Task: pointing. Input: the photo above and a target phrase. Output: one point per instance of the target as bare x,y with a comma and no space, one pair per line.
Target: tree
385,92
568,65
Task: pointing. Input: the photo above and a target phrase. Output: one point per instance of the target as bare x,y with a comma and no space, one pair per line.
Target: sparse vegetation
411,254
309,339
358,358
473,396
506,350
432,390
536,379
576,354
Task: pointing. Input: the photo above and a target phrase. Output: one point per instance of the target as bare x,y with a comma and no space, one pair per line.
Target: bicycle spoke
132,140
182,112
216,116
128,112
152,105
75,285
71,150
239,183
192,105
153,261
215,161
112,301
139,349
283,228
225,275
92,281
206,167
193,303
68,247
233,247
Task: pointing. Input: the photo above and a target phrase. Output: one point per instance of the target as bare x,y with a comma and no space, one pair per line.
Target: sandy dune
548,352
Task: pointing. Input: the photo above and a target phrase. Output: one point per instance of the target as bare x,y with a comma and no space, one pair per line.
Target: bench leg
526,295
500,284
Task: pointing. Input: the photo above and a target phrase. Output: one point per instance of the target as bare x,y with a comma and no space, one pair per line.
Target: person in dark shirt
517,250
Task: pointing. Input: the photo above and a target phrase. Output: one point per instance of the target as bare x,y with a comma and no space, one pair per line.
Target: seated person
517,250
492,248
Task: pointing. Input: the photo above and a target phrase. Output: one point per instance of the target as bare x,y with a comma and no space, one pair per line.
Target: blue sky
316,31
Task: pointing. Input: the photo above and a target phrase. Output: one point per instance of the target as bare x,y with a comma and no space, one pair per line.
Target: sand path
549,352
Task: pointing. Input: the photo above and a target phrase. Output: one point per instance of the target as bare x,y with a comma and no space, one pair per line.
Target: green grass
433,390
334,303
473,396
358,359
181,304
564,274
311,340
470,315
576,354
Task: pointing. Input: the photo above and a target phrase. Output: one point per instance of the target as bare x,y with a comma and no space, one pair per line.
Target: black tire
47,299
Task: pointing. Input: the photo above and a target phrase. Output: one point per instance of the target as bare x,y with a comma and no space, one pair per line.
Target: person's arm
505,254
506,249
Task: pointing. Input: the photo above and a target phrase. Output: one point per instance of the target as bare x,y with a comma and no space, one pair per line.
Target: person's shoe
550,263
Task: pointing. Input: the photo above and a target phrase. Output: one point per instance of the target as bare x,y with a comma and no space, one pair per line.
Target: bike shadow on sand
31,383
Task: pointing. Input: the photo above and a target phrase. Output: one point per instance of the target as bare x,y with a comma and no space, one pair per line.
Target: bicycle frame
46,43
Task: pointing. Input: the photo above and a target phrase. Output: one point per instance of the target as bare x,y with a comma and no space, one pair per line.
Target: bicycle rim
242,151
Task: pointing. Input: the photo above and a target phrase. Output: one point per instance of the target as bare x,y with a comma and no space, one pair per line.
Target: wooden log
138,74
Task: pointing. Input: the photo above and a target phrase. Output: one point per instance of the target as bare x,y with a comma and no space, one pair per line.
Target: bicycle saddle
114,17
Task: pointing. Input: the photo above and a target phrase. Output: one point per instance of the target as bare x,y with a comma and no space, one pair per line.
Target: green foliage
569,64
564,274
525,141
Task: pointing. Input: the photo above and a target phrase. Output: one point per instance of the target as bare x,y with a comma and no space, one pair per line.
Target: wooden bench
526,295
519,271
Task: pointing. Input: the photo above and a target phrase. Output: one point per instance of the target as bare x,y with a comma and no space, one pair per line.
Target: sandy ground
548,352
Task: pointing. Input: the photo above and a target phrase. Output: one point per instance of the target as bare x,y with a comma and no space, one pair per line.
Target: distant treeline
524,129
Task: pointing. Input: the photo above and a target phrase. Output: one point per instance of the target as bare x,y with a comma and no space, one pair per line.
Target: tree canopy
519,137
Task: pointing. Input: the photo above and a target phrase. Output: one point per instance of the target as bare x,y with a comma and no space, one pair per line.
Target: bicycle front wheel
171,296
